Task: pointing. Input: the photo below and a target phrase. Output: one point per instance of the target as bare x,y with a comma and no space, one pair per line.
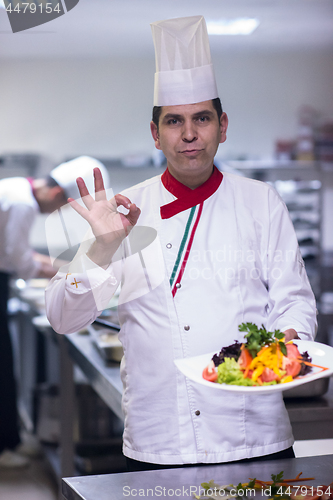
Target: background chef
225,252
20,201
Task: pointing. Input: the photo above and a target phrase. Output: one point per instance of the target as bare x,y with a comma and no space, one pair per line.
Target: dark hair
218,106
50,182
157,110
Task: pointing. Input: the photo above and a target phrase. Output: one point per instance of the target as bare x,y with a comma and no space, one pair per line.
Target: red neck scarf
186,197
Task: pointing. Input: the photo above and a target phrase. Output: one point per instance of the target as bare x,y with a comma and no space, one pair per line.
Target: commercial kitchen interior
83,84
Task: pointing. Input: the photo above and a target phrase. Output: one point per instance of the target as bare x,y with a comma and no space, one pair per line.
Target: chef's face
189,135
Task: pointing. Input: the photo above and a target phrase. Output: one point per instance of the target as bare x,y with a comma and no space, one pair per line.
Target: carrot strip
311,364
284,482
303,479
288,483
297,478
316,366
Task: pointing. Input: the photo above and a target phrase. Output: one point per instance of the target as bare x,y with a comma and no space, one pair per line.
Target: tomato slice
293,367
268,375
244,359
291,363
210,373
292,351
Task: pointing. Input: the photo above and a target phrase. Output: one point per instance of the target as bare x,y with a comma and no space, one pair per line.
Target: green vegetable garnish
211,484
276,478
239,487
230,373
251,484
256,338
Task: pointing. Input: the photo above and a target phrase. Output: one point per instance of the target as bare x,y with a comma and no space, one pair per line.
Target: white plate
321,354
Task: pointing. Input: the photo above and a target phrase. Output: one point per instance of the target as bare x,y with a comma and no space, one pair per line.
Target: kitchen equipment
100,460
311,390
19,164
105,337
178,482
303,200
97,428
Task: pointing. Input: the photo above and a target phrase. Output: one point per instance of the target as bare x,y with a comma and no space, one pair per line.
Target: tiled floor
35,482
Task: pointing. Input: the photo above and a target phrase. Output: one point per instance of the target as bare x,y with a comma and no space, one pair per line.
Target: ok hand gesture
108,225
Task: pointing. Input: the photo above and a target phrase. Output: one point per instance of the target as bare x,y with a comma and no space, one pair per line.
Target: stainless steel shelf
160,483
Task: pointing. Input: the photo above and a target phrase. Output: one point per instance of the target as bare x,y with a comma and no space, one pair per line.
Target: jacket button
186,327
178,285
169,245
197,412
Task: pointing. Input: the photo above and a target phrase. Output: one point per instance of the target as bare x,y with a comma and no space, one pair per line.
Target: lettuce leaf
230,373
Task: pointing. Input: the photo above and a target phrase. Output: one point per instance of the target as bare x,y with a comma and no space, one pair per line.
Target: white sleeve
17,236
292,302
79,292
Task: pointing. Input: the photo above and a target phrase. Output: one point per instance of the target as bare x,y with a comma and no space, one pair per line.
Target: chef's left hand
290,334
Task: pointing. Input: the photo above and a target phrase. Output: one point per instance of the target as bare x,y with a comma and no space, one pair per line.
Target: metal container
95,422
312,389
106,340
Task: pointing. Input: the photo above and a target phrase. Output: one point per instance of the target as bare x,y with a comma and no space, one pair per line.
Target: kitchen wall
102,107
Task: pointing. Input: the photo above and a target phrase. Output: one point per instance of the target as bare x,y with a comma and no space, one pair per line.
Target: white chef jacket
18,209
244,266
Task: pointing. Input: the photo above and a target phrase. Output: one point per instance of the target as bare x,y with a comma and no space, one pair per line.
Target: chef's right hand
109,226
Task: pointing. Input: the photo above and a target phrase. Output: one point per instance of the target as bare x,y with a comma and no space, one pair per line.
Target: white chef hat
184,70
67,173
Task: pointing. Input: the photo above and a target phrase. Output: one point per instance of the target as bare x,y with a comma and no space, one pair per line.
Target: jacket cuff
84,275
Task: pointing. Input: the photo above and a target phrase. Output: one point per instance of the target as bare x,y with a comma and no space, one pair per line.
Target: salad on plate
262,359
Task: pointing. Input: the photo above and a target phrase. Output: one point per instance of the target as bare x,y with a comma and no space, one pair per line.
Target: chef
197,252
21,200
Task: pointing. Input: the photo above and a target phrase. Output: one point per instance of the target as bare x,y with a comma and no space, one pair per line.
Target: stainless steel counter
105,379
182,483
312,418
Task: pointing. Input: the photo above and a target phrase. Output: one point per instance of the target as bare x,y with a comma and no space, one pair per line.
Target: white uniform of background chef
225,252
20,201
